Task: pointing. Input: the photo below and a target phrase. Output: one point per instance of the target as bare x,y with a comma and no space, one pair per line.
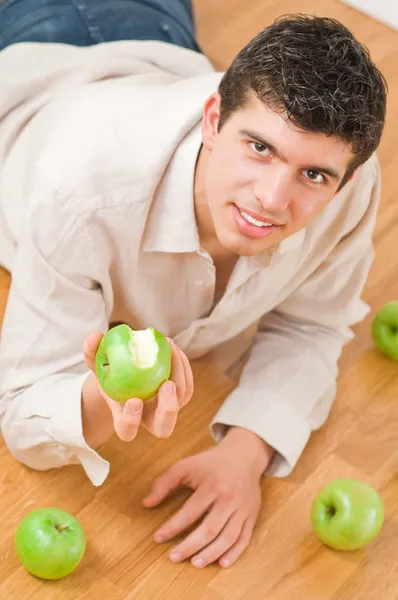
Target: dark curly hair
315,71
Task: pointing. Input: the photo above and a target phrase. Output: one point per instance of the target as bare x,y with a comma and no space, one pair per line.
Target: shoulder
110,143
85,149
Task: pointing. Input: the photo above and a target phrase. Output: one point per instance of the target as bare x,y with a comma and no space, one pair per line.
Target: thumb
165,484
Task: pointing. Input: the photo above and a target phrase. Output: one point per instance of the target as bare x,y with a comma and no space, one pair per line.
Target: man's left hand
226,497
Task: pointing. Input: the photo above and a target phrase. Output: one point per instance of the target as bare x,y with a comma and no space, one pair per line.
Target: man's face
261,165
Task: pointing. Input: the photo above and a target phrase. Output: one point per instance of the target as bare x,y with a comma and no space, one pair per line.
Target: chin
239,245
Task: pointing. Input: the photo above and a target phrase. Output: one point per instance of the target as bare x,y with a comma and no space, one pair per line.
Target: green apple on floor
385,330
347,514
50,543
132,364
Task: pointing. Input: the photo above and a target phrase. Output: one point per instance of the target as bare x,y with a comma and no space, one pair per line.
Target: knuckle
233,534
221,490
211,531
179,466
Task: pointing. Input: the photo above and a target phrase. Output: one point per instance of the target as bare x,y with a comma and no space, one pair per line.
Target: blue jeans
88,22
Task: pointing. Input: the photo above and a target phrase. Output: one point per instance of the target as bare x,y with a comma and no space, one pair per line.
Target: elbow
29,443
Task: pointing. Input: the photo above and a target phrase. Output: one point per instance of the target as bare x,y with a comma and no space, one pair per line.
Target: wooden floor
285,561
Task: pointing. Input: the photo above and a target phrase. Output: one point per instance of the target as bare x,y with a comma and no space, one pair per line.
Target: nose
273,189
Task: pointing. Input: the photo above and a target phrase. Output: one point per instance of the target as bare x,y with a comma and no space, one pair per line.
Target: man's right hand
159,414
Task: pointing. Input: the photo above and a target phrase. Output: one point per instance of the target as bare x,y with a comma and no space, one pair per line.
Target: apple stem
331,510
60,528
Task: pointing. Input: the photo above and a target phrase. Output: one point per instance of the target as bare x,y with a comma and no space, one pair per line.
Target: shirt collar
291,243
172,224
264,259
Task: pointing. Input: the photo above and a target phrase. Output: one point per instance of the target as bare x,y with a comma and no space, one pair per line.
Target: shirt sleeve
288,384
56,298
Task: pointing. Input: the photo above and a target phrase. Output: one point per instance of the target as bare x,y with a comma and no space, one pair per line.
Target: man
139,186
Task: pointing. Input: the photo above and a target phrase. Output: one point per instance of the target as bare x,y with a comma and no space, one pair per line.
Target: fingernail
225,562
198,562
135,408
149,497
175,556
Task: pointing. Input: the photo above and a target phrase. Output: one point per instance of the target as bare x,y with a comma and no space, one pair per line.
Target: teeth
254,221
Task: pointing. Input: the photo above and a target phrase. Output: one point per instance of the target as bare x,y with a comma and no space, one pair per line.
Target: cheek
226,175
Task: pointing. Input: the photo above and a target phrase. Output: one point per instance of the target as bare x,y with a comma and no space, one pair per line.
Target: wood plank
285,561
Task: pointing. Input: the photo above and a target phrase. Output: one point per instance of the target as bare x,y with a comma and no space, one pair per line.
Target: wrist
251,449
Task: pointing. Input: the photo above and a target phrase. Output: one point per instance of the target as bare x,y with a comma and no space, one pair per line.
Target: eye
259,148
314,176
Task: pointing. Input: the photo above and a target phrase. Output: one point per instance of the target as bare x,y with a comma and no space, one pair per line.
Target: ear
210,118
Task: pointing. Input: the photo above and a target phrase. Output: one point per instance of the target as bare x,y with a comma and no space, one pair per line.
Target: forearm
246,446
42,426
285,392
96,417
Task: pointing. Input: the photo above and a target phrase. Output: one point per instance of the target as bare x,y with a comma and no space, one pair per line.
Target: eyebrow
261,140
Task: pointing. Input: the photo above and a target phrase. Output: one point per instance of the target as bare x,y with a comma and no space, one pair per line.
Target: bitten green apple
50,543
385,330
132,364
347,514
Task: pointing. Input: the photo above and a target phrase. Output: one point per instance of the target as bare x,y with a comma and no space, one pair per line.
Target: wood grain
285,561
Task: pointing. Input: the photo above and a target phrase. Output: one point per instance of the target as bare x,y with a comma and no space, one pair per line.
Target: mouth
252,227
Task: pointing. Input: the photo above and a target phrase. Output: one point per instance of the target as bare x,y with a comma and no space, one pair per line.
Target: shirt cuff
66,427
272,419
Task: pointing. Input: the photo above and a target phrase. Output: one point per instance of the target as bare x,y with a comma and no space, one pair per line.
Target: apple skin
123,379
358,516
44,550
385,330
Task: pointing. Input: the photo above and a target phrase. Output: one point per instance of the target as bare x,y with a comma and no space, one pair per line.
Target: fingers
181,374
177,372
166,413
240,545
127,418
227,539
160,415
165,484
90,346
188,380
203,535
192,510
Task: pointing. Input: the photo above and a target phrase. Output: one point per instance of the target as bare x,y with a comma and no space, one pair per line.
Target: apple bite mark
143,347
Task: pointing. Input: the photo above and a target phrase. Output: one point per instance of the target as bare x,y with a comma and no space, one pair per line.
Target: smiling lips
251,226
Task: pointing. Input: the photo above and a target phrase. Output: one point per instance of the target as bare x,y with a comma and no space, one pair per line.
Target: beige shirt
98,149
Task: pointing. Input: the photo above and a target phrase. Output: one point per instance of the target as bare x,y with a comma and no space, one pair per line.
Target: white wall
385,11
